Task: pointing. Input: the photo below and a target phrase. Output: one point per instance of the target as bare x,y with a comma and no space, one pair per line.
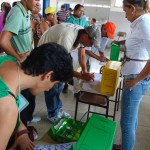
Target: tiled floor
143,131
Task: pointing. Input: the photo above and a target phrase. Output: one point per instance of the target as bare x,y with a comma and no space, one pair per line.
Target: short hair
49,57
94,20
78,6
63,6
14,3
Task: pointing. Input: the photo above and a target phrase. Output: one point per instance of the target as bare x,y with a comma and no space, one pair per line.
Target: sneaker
35,119
53,119
62,113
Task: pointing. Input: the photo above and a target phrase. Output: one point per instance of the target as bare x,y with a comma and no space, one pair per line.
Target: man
55,66
62,15
77,18
107,32
16,40
71,37
93,21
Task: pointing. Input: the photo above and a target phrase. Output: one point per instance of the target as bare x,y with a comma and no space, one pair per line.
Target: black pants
27,114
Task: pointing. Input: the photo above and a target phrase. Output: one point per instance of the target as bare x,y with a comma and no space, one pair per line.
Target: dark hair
6,6
63,6
70,9
141,4
94,20
49,57
14,3
78,6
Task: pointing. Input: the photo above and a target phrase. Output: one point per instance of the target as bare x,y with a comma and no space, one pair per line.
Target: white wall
122,24
97,12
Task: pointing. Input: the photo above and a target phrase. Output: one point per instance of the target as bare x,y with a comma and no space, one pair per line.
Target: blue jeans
52,99
129,110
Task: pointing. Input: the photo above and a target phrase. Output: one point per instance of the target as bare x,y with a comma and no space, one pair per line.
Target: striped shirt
62,15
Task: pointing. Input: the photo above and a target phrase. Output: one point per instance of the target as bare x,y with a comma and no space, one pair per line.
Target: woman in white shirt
137,55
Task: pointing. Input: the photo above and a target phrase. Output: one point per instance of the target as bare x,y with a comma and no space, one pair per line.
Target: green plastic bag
66,130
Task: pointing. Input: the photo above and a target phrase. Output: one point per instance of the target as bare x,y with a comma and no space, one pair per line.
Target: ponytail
147,6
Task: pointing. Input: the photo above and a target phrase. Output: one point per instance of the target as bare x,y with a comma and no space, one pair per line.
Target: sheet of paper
65,146
92,85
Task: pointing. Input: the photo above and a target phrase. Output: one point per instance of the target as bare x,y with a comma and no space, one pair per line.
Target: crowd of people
40,56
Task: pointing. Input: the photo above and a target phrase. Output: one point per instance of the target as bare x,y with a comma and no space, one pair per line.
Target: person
5,7
14,3
55,66
76,17
62,15
70,11
107,32
48,21
71,37
16,40
137,57
36,19
93,21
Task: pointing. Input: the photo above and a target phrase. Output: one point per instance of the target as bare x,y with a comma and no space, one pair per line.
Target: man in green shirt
16,37
77,18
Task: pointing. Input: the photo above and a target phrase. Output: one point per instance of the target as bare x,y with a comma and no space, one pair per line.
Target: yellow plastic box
110,78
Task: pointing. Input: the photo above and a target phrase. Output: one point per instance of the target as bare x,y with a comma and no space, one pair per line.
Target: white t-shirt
138,45
64,34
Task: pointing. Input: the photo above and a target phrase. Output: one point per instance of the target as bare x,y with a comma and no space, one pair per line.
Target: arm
5,44
143,74
119,42
8,119
23,141
84,76
91,54
43,26
82,59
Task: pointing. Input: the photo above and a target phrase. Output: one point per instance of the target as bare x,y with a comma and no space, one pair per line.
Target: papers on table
92,85
65,146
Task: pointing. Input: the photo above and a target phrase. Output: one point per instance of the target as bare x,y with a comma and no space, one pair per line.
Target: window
118,3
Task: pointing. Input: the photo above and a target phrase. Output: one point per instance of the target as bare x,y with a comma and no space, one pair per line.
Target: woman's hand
129,84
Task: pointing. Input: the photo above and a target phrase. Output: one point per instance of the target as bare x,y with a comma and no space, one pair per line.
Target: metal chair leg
76,109
88,112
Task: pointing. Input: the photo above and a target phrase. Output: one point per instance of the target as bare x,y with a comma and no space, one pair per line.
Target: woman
36,19
5,7
47,22
55,66
137,55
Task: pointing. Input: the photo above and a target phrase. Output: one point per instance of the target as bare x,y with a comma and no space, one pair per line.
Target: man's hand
103,59
87,76
23,142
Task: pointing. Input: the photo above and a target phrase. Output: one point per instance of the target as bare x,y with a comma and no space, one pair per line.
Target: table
94,89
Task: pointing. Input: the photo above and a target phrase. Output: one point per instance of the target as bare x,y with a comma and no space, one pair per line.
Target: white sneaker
53,119
35,119
62,113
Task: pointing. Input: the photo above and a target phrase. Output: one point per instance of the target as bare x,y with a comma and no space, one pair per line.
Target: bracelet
25,131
